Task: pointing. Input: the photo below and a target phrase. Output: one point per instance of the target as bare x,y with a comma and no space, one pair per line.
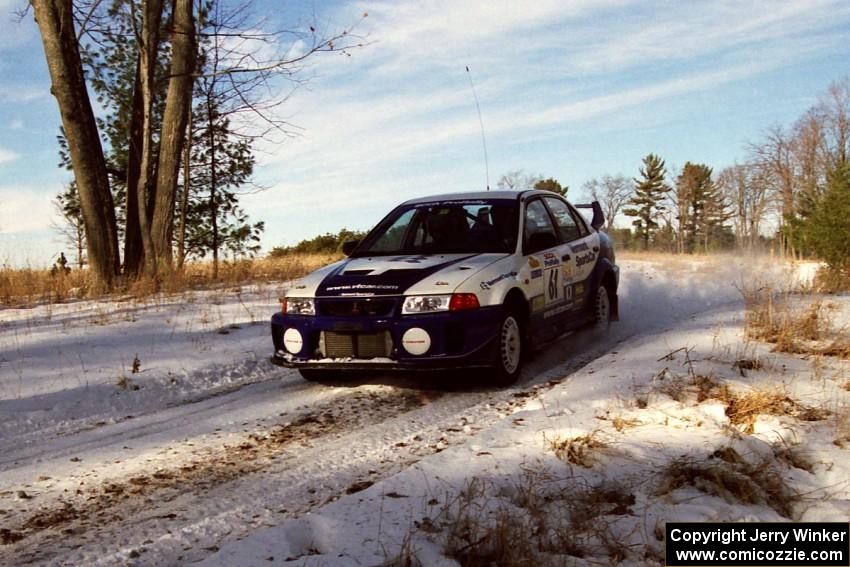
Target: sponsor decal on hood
384,275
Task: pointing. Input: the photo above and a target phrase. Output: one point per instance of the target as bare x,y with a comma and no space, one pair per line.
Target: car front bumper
457,339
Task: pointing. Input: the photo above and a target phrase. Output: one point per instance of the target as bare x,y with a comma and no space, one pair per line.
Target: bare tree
835,109
518,180
747,192
775,160
178,104
151,178
612,192
61,49
147,40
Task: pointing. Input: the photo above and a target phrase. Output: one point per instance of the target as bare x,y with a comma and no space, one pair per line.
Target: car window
537,221
446,227
580,221
393,237
568,228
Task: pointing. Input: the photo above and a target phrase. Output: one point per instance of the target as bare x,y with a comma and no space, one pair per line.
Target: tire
601,309
508,357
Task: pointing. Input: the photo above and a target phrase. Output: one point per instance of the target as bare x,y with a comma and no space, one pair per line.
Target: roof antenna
480,121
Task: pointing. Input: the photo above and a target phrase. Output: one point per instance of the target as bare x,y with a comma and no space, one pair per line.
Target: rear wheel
508,357
602,308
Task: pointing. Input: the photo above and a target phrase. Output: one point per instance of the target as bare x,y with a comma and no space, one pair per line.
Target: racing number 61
553,288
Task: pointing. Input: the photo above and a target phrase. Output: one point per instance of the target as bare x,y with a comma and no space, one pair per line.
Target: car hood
393,275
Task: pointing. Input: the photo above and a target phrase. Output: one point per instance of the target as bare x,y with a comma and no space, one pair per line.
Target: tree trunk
81,245
61,49
187,186
133,248
177,106
146,186
213,182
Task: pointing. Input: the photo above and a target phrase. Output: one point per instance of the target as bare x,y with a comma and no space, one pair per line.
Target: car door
582,247
544,251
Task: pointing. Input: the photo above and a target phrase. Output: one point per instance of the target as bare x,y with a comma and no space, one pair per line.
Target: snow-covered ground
209,453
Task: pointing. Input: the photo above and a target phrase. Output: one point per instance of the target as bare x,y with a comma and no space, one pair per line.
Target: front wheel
508,359
602,309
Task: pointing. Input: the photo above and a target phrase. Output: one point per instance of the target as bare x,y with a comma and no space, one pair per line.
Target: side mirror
541,241
348,246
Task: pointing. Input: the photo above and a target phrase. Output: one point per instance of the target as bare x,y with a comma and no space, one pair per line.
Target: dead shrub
743,409
577,450
621,423
792,326
543,521
730,477
794,456
828,280
700,386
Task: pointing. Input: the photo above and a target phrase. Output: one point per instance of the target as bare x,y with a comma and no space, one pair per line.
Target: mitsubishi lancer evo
452,281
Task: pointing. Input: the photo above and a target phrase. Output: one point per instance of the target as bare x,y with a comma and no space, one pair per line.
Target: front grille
355,345
368,307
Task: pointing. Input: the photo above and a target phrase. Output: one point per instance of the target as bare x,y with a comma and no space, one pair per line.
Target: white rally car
448,281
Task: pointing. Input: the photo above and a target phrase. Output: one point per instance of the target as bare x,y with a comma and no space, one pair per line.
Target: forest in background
186,89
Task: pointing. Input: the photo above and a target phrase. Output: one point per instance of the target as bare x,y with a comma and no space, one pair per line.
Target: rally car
449,281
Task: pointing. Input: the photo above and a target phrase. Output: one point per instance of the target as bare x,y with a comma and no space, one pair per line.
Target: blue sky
569,89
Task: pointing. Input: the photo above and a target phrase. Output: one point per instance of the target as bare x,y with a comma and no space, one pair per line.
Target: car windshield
445,227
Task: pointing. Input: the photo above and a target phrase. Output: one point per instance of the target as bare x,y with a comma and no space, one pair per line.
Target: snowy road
208,442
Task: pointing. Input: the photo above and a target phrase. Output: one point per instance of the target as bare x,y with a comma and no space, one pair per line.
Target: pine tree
67,205
551,184
221,162
648,200
827,230
703,210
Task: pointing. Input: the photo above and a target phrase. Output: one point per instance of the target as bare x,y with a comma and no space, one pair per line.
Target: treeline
790,193
327,243
187,89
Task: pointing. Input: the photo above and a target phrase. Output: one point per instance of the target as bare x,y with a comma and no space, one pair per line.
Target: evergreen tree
827,230
551,184
648,200
220,162
703,210
67,204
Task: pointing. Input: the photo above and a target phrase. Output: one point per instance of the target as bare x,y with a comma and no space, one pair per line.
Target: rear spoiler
598,216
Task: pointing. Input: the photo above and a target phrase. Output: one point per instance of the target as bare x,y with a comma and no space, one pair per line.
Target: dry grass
842,426
693,386
792,325
538,520
831,281
26,287
577,450
728,476
621,423
743,409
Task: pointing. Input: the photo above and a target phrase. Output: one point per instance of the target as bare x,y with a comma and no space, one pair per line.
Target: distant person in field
61,266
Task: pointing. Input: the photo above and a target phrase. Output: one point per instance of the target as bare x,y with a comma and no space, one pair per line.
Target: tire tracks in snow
183,512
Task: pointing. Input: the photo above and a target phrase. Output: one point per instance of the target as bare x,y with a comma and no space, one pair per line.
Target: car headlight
435,303
425,304
299,306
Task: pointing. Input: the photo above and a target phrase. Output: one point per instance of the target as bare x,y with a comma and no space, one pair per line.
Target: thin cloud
24,209
7,156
